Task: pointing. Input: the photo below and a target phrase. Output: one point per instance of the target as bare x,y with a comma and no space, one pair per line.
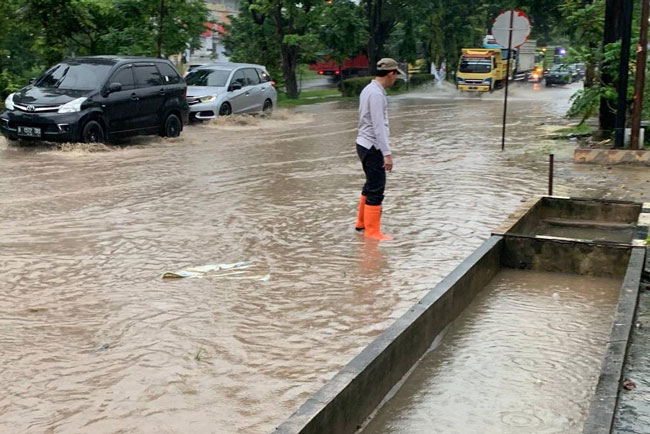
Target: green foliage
420,79
158,28
35,34
585,103
251,38
342,30
353,86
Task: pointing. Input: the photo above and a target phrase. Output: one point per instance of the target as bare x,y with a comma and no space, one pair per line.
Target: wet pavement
95,341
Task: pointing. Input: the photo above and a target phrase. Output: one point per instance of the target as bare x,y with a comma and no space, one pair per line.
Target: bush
420,79
354,86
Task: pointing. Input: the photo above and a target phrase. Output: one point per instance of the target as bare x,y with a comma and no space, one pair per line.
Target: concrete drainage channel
563,236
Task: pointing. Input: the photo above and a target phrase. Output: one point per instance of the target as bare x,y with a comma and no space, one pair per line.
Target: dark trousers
372,161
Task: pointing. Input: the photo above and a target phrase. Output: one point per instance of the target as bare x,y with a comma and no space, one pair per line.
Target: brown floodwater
94,340
524,357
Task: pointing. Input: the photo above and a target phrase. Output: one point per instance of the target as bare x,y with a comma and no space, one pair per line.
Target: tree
293,21
250,38
158,28
342,30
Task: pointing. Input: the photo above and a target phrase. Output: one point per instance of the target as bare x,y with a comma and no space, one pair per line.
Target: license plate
473,87
29,131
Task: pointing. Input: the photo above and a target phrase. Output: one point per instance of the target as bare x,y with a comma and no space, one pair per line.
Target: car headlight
459,80
487,80
73,106
9,102
209,98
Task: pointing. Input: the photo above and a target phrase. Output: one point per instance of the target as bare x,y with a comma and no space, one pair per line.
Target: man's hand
388,163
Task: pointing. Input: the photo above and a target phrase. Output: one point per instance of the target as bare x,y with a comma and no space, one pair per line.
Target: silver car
222,89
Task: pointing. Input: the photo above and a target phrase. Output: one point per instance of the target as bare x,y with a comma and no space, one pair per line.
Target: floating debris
629,384
234,271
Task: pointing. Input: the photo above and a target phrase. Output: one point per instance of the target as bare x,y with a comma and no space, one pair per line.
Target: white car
222,89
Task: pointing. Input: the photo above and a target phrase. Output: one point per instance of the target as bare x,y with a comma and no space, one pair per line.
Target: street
96,341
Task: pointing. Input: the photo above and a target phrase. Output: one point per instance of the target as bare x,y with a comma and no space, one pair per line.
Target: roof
112,60
229,65
212,28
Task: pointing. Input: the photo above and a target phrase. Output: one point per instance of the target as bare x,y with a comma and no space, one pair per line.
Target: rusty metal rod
551,157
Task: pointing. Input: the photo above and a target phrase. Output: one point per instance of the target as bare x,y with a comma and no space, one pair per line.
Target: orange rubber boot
362,204
372,218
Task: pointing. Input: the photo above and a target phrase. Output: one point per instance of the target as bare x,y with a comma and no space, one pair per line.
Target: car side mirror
114,87
234,86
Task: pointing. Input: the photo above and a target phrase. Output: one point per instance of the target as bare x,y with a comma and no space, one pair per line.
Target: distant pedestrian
373,147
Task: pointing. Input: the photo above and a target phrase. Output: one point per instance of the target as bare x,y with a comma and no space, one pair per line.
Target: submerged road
95,341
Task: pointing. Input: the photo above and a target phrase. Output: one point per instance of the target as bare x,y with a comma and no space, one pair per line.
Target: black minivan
95,99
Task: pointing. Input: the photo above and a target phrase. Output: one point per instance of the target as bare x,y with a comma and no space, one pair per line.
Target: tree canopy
34,34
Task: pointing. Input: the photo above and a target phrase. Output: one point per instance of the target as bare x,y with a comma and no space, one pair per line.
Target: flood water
94,340
524,357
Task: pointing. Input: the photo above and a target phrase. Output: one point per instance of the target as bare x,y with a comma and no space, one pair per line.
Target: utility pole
611,33
623,71
641,58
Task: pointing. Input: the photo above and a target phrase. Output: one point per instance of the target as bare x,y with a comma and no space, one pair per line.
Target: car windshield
75,76
207,77
558,68
475,65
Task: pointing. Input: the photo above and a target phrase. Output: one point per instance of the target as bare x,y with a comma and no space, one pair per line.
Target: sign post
511,29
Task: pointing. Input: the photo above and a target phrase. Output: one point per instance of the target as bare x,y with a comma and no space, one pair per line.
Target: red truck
356,66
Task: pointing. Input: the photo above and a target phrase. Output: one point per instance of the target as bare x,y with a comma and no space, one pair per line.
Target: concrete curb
601,410
611,156
344,403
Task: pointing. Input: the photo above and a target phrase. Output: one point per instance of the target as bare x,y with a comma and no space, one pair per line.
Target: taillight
337,72
321,72
273,83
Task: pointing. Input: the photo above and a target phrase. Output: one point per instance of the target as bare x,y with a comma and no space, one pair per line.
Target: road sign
520,28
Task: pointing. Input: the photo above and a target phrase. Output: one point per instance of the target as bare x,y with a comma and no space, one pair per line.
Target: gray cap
388,64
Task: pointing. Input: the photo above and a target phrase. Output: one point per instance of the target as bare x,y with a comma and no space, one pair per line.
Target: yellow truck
481,69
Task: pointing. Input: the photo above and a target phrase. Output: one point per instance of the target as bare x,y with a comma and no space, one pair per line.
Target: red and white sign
520,28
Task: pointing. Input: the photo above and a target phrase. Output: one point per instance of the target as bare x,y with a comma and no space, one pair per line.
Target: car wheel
225,109
92,132
267,109
172,127
548,84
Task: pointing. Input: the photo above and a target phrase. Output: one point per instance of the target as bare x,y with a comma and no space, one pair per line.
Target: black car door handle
134,97
162,91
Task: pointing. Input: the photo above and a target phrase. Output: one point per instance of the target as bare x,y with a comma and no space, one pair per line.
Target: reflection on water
524,357
95,341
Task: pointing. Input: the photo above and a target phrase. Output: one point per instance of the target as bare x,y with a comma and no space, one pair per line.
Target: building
211,46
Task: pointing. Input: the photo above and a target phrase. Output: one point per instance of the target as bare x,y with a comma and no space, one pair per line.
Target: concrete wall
611,156
345,402
562,256
617,212
601,410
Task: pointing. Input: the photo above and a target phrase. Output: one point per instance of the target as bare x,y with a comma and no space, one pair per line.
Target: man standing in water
373,148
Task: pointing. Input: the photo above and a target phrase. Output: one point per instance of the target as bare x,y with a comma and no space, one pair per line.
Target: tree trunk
289,63
289,54
374,9
612,33
159,37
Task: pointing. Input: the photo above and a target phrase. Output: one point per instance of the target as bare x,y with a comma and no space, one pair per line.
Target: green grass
310,97
577,129
303,72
